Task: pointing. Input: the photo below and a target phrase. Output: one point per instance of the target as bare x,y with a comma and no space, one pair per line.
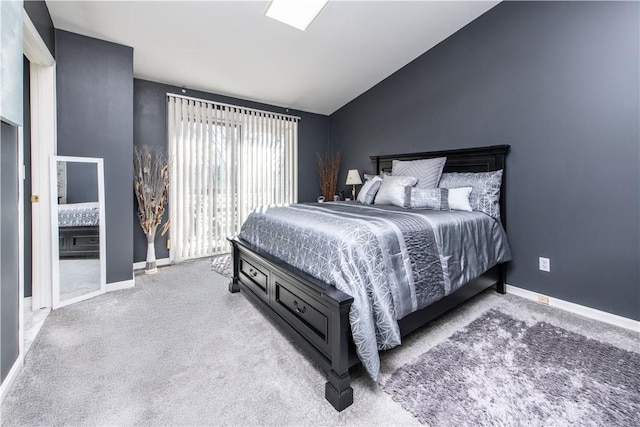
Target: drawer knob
298,309
252,272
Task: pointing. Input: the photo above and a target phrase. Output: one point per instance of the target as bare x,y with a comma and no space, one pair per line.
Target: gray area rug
501,371
179,349
222,264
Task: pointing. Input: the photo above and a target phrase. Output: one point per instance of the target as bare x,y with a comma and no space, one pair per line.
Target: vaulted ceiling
232,48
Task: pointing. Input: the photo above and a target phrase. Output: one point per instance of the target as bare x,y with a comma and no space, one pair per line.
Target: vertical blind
225,161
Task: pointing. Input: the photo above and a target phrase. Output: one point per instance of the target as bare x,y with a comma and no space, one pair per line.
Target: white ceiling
231,48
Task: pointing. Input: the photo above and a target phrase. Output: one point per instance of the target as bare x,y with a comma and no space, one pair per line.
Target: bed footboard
314,314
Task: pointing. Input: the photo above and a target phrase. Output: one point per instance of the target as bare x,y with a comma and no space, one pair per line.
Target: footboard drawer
255,276
79,241
87,242
308,315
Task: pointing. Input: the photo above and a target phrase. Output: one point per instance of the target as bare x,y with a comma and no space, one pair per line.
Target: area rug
222,264
501,371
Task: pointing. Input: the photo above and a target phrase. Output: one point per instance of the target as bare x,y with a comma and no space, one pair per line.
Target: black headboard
481,159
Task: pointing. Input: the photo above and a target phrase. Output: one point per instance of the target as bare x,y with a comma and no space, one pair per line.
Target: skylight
297,13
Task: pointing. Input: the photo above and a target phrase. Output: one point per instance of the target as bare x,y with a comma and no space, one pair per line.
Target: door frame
43,146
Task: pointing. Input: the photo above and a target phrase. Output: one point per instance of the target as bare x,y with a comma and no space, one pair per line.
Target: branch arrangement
151,184
328,168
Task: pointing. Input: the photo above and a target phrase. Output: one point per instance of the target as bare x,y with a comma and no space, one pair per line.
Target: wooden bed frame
316,314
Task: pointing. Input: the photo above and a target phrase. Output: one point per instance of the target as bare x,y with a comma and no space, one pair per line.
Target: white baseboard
10,378
116,286
582,310
159,262
27,304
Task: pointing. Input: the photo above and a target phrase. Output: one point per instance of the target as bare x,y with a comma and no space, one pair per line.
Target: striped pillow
428,171
369,189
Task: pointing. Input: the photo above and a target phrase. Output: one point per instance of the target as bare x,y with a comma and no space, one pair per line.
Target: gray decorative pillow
369,189
427,198
485,196
392,189
428,171
370,176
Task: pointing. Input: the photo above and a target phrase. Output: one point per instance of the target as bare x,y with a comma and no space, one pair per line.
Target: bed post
501,286
233,281
338,389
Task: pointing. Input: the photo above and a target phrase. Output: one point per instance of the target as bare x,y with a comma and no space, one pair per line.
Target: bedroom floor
179,349
33,321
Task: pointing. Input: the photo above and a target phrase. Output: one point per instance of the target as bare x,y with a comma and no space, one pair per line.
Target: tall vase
151,267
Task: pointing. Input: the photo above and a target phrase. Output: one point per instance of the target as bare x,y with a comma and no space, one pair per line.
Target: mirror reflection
78,212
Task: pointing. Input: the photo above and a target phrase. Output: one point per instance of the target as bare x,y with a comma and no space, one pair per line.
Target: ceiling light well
296,13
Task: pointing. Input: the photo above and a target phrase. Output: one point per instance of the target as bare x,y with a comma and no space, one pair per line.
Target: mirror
78,229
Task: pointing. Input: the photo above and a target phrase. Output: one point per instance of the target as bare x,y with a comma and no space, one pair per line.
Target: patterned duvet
78,214
392,261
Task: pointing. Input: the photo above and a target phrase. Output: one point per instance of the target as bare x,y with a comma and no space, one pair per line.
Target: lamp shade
353,177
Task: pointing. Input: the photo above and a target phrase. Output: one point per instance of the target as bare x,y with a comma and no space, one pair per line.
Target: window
225,162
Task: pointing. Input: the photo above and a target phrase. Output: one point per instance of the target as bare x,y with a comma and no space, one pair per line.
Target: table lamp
353,178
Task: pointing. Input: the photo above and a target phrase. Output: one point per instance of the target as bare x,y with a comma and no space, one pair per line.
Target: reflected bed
79,234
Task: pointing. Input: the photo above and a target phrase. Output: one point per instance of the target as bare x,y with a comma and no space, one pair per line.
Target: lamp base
353,193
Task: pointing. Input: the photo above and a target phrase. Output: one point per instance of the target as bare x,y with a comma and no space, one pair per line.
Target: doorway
42,140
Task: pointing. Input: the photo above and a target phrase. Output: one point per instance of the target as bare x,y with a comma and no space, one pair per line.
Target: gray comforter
78,214
392,261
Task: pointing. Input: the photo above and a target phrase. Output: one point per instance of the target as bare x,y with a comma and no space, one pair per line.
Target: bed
78,226
324,320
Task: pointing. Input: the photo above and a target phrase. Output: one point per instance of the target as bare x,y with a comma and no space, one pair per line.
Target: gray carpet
179,349
501,371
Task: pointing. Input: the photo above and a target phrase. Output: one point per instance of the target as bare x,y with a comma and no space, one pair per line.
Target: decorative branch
328,168
151,185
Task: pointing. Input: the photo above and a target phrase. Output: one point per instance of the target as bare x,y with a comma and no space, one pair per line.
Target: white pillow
459,199
392,190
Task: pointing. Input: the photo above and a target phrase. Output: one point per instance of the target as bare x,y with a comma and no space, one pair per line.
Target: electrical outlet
545,264
542,299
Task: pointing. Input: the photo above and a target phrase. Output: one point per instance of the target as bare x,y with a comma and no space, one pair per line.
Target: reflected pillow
427,198
369,189
428,171
459,199
485,194
392,190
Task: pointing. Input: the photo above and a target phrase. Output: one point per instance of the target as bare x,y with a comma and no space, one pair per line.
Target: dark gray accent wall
95,119
82,182
558,81
150,128
9,290
39,14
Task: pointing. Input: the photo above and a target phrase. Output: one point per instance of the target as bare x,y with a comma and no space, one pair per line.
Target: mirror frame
55,250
